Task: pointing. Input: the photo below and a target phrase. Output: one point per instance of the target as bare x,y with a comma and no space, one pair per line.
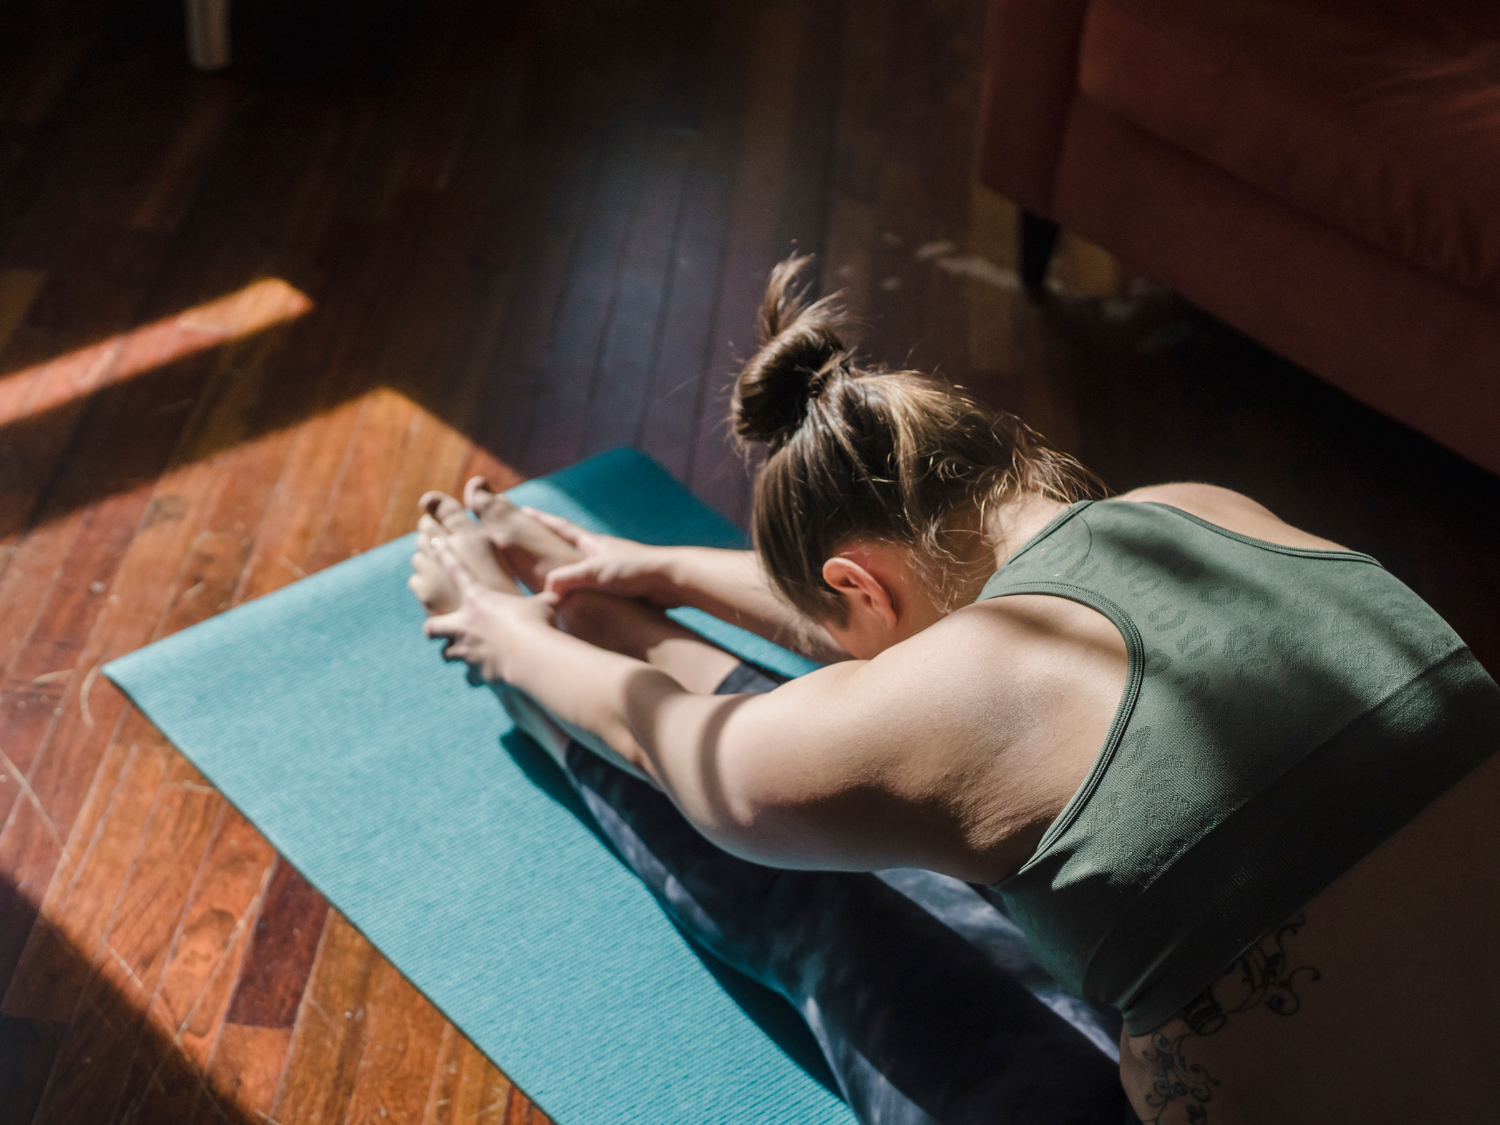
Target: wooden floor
245,320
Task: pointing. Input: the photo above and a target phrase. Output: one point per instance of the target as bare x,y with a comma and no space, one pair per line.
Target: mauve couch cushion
1382,118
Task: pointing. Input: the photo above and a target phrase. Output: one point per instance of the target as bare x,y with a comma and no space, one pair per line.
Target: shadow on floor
76,1048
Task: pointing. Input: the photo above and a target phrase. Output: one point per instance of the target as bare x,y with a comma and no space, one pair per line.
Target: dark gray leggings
924,999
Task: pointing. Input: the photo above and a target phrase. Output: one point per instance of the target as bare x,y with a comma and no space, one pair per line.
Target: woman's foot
497,542
529,549
445,518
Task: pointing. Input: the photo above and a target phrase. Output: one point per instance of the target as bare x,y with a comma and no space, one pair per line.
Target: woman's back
1286,710
1309,802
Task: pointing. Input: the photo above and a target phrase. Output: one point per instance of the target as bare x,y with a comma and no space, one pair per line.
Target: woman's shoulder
1233,511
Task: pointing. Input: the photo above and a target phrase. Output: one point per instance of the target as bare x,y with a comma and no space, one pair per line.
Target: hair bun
801,351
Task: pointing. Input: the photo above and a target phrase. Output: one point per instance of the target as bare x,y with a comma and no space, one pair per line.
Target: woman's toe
439,505
477,494
492,509
427,529
432,586
457,522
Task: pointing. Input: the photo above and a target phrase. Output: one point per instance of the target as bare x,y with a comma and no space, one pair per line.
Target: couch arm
1030,79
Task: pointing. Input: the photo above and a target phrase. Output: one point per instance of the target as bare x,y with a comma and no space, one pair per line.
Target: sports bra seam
1135,674
1265,544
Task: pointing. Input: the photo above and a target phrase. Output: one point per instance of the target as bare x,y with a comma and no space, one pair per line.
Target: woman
1230,778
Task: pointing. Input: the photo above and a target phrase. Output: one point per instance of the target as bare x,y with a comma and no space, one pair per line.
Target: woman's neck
1010,525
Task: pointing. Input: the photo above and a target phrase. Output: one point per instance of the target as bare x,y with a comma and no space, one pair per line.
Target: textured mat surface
404,795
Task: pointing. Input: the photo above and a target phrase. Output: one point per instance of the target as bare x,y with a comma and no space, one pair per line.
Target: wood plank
286,534
777,45
29,851
469,1089
802,213
522,1111
18,290
956,36
516,373
174,180
295,535
220,548
685,350
900,298
38,975
563,144
243,1073
59,952
196,982
435,352
200,579
90,1065
31,104
68,610
152,559
93,1061
617,395
26,715
397,1068
466,290
121,285
355,510
64,213
858,143
148,914
561,413
280,960
159,405
318,1082
848,261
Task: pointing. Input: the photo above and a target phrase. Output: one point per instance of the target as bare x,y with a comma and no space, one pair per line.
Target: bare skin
502,542
1373,1004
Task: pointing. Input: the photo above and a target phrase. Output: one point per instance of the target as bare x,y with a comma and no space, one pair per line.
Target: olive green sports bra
1285,711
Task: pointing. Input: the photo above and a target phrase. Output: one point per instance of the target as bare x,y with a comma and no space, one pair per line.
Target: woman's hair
856,452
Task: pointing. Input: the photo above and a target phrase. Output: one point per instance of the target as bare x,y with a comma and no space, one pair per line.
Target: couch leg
208,33
1037,237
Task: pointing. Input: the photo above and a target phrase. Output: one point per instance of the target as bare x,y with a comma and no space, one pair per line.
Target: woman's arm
730,585
733,586
817,773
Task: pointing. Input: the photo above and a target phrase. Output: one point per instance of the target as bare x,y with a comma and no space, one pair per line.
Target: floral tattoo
1263,977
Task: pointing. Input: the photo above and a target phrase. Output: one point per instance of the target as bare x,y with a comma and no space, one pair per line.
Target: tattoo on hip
1181,1089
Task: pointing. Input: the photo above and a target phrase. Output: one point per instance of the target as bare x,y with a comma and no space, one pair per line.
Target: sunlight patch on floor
45,386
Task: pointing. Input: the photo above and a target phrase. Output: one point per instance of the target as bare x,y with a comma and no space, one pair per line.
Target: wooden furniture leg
208,33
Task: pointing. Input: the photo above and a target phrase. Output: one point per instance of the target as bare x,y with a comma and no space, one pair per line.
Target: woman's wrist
671,577
525,635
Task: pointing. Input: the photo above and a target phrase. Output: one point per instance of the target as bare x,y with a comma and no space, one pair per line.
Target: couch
1322,174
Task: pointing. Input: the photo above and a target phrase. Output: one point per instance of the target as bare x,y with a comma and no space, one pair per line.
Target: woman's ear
861,589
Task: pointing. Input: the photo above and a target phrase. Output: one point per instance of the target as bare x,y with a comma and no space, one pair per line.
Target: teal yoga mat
404,795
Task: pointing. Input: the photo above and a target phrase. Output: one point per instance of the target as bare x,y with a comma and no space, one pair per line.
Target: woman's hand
610,565
488,625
